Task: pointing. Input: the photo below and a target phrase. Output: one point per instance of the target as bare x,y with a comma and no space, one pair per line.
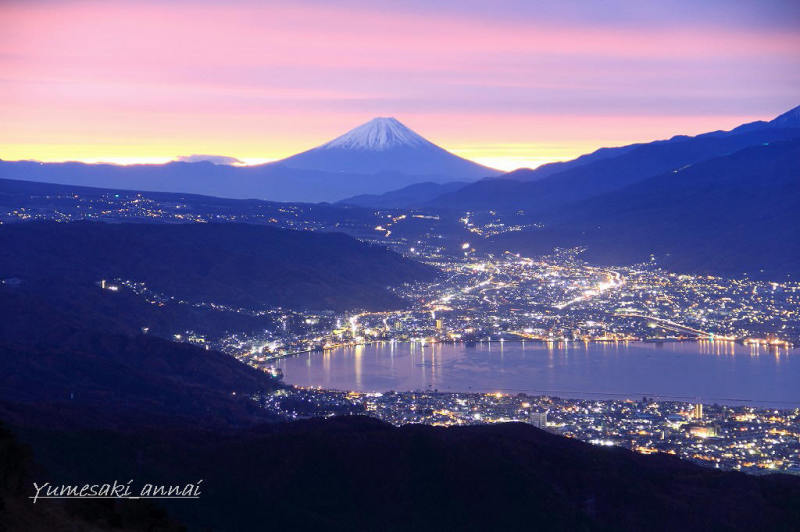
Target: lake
721,372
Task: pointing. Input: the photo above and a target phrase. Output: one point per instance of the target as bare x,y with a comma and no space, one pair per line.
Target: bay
722,372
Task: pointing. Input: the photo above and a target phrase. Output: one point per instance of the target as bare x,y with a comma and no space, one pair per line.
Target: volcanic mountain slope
384,145
376,157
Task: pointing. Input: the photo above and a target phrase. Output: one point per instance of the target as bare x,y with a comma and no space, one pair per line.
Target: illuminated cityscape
740,438
483,294
508,298
500,297
400,266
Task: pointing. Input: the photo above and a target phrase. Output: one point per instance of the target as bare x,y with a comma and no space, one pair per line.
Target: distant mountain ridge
409,196
266,182
554,187
376,157
789,119
733,215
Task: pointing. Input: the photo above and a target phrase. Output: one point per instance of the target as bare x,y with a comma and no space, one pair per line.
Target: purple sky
506,83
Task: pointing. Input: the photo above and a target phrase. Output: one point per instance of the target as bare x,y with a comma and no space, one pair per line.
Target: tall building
439,324
538,419
698,411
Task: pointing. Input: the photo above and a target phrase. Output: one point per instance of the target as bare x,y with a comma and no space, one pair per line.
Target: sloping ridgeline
593,176
731,215
354,473
64,365
233,264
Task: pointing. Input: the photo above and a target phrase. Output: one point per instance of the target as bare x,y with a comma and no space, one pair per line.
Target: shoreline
425,343
726,397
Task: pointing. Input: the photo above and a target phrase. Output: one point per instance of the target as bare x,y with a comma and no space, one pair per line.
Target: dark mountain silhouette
269,181
17,474
555,186
41,197
789,119
111,381
355,473
732,214
377,157
546,170
410,196
235,264
75,364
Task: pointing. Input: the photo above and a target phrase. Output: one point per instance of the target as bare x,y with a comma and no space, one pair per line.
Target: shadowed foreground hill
17,513
66,370
124,382
234,264
356,473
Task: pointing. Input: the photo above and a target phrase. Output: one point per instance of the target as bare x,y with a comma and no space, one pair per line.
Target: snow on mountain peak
378,134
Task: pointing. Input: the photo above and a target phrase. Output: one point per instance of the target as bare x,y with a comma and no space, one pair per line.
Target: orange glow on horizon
132,82
506,156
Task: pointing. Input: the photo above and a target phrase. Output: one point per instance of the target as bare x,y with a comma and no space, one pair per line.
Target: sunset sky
507,84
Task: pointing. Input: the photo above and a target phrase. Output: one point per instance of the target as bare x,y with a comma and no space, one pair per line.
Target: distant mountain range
721,202
787,120
553,186
412,195
376,157
623,203
734,214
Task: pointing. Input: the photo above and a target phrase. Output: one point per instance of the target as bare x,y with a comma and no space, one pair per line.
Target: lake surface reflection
721,372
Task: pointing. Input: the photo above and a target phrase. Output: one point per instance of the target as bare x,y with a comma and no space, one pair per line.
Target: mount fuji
386,145
374,158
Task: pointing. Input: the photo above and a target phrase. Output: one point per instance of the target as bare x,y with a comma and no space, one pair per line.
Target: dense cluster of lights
727,437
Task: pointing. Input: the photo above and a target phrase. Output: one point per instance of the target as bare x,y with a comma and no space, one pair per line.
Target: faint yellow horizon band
512,156
500,156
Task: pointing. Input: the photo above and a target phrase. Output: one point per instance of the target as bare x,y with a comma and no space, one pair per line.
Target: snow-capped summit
378,134
386,146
